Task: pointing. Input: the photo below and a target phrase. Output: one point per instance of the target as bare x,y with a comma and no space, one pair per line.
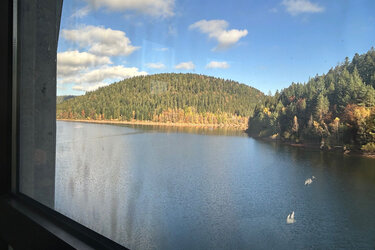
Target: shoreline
229,127
316,146
151,123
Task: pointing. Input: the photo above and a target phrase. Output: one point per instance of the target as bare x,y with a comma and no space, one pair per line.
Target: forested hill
168,97
334,109
61,98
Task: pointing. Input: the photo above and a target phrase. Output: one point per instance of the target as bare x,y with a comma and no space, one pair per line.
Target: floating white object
313,177
308,181
290,218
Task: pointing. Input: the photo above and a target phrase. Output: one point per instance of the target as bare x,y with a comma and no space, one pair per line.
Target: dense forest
334,110
167,98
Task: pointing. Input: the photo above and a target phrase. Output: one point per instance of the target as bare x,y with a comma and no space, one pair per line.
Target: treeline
169,98
335,109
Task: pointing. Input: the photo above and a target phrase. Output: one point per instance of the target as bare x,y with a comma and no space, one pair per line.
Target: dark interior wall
5,95
16,229
39,24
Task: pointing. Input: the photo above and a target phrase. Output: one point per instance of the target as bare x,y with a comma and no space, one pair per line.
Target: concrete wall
38,29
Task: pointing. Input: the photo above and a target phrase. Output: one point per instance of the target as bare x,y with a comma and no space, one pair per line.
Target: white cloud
155,8
155,65
85,87
185,65
108,73
217,29
82,12
217,65
295,7
71,62
101,41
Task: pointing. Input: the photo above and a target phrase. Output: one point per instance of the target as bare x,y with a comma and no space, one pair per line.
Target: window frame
24,222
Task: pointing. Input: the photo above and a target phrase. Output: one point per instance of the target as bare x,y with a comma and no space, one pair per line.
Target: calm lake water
175,188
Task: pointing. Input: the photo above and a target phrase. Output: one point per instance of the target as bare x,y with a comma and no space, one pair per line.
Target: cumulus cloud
85,87
185,65
109,73
155,8
155,65
92,69
217,29
217,65
295,7
71,62
101,41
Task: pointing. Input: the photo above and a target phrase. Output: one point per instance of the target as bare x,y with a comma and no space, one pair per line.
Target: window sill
26,224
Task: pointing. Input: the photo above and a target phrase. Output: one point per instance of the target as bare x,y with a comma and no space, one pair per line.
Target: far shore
222,126
168,124
316,146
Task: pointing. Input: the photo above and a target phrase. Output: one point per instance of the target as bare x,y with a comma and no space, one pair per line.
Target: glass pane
204,124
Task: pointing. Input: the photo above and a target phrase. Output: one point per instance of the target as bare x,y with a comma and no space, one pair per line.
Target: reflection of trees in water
189,130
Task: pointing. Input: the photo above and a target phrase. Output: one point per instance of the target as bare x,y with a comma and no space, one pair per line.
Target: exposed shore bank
241,127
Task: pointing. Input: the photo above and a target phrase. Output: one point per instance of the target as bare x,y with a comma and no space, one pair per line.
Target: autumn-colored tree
295,125
334,108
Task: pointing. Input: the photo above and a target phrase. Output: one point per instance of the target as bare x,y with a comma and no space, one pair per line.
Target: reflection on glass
147,188
167,140
35,40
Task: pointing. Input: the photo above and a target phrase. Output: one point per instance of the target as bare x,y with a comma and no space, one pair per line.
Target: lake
187,188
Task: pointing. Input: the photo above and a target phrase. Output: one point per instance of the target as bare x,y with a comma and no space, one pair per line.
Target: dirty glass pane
38,26
202,124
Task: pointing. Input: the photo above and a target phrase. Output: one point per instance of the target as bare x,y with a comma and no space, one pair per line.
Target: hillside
61,98
167,98
334,109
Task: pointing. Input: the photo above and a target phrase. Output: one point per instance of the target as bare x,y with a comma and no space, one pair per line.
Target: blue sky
265,44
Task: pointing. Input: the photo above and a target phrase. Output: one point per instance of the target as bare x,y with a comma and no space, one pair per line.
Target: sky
266,44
